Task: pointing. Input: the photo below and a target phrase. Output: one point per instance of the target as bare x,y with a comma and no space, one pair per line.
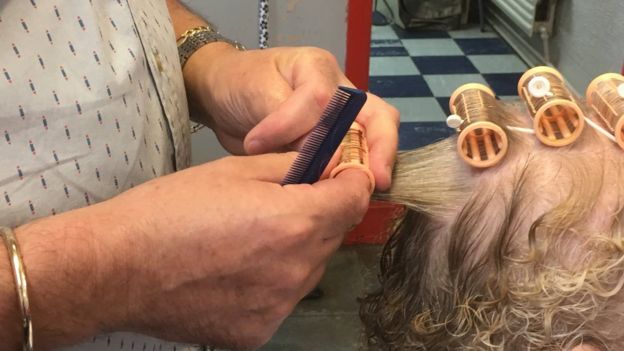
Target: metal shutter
522,12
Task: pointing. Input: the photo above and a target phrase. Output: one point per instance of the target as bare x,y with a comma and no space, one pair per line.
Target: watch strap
195,38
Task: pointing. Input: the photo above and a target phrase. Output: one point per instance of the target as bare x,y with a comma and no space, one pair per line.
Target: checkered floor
418,71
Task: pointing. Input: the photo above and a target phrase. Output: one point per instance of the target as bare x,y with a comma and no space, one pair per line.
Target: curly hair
526,256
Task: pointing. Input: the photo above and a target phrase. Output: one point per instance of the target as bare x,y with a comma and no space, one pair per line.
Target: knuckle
321,54
395,114
260,328
323,95
280,303
296,276
282,310
324,61
363,201
301,229
358,205
387,110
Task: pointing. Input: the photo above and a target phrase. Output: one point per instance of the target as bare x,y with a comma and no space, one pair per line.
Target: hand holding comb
326,136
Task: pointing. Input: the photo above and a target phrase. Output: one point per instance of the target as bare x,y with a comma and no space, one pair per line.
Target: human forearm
199,66
74,280
183,18
9,314
165,258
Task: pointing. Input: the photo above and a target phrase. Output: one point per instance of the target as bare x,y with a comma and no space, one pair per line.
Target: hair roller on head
557,118
481,143
605,95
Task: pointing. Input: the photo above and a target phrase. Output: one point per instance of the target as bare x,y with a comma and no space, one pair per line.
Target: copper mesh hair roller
481,142
606,96
557,118
354,153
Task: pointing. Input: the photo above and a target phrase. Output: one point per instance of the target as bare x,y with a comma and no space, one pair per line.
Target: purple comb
326,136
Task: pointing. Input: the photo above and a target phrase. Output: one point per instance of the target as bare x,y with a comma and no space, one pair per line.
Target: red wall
359,23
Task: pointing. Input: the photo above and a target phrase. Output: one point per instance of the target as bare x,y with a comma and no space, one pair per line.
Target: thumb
350,183
343,200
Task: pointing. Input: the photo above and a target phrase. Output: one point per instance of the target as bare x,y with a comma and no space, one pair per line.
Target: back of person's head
526,255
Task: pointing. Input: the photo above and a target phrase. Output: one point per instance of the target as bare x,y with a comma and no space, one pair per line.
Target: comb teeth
333,125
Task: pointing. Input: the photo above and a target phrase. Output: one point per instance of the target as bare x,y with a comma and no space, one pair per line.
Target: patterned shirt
92,103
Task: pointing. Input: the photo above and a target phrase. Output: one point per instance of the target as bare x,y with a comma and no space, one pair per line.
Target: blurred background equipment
439,14
379,19
531,17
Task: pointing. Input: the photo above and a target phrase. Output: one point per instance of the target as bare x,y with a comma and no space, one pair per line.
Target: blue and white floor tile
445,84
503,84
484,46
383,32
418,109
400,86
388,51
432,47
379,43
392,66
421,34
471,33
417,134
444,65
418,71
498,63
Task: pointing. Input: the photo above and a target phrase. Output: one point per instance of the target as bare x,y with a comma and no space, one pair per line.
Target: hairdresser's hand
217,254
264,101
232,251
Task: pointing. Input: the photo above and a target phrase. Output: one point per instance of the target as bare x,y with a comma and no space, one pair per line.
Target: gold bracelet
20,282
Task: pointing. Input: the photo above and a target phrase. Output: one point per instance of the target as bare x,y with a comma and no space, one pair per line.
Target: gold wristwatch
195,38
